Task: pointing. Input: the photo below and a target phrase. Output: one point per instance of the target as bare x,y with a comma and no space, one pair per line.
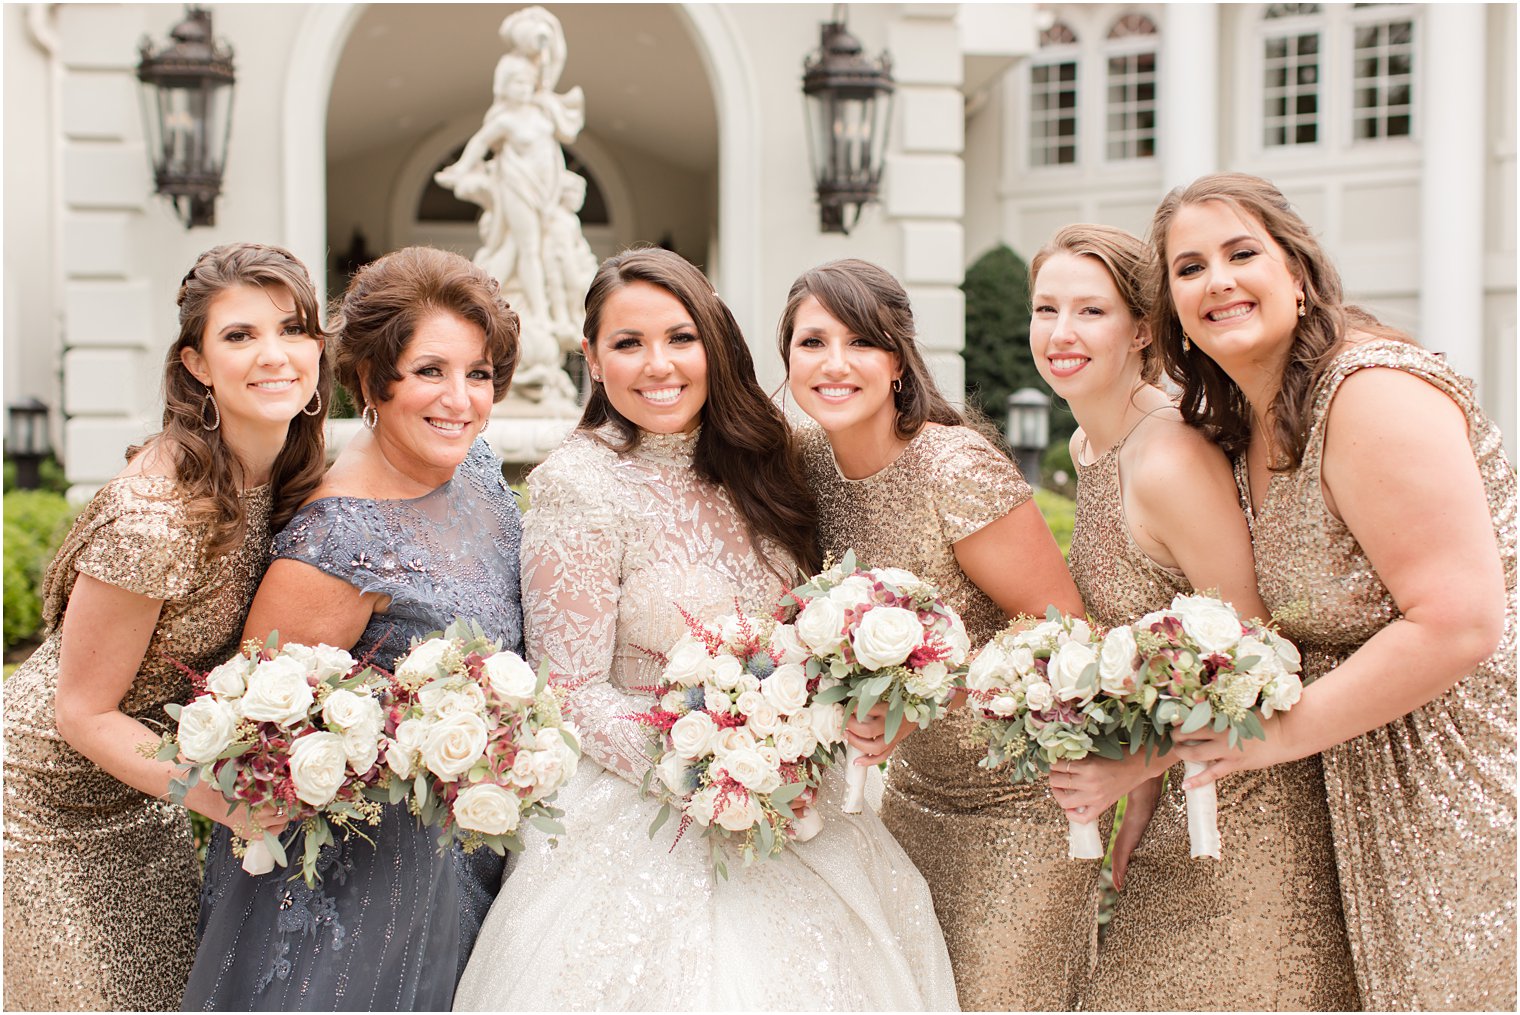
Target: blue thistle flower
761,665
696,699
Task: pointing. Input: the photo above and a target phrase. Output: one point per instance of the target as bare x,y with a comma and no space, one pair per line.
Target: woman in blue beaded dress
411,527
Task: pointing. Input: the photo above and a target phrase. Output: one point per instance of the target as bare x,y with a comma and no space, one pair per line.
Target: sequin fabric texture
617,918
101,880
1269,908
387,927
1019,916
1423,809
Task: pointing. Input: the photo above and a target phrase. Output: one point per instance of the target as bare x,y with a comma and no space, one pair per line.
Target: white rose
786,688
885,637
957,639
1287,652
749,701
784,641
487,808
321,661
726,671
206,728
752,771
820,625
672,773
1003,705
855,591
734,738
424,661
1081,631
450,695
747,682
1267,665
318,765
453,744
794,742
231,678
361,745
277,692
688,663
693,734
739,814
700,807
988,671
1210,623
1282,694
896,576
401,754
546,772
828,723
764,720
930,681
1039,696
1065,672
511,679
1116,662
717,702
345,709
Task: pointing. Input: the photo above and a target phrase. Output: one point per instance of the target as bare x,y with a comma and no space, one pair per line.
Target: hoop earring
897,385
370,416
484,425
1303,306
1187,343
316,411
216,420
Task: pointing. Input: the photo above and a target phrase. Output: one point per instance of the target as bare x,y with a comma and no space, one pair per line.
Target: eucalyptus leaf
276,849
1197,718
894,717
659,819
833,694
544,823
784,795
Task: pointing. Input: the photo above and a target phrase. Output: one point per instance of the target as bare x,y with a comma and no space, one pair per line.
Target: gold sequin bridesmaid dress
1019,916
1423,809
1258,929
101,881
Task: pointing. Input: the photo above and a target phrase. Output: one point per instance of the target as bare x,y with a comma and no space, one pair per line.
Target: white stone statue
514,169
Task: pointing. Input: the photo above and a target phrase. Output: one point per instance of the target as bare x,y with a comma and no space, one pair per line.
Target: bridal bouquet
1200,665
298,728
741,736
1056,692
878,635
476,741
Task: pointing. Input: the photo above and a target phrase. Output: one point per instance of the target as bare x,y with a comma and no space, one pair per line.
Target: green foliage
49,473
997,356
35,522
1056,464
1059,513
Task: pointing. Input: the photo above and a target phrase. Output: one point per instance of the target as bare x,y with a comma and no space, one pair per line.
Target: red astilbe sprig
712,640
934,650
655,718
659,657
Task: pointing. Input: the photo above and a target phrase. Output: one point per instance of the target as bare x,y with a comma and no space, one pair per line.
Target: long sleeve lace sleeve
572,583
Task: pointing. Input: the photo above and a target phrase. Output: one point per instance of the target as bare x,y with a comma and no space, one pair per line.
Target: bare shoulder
155,459
1169,456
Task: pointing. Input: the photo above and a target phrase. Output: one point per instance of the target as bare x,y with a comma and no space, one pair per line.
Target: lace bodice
452,552
614,546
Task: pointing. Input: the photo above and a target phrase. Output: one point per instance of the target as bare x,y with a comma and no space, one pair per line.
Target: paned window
1053,99
1382,97
1131,125
1291,77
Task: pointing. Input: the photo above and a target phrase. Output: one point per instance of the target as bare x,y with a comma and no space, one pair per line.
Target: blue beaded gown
392,922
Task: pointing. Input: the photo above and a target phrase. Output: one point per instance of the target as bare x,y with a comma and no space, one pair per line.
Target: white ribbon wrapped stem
807,826
854,781
258,859
1202,815
1084,841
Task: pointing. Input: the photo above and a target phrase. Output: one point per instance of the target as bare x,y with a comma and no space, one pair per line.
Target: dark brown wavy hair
867,300
1210,399
1127,260
206,468
389,297
745,445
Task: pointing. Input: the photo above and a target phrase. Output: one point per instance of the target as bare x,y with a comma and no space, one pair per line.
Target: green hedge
1059,514
35,523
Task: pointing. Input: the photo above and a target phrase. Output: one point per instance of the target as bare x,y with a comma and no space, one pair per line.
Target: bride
679,489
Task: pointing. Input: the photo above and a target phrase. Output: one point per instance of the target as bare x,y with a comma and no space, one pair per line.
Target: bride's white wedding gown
612,918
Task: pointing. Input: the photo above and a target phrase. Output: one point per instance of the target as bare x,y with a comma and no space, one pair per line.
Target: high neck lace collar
676,448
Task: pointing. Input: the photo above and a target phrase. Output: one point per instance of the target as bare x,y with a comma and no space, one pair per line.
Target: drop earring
1187,343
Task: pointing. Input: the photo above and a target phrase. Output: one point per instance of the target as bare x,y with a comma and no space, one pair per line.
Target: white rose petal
424,661
230,679
793,742
1116,662
930,680
989,671
671,772
692,735
726,671
318,765
828,723
749,701
764,720
1065,672
453,744
718,702
786,688
1039,696
752,771
855,591
488,809
511,679
322,662
687,664
734,738
700,807
739,814
820,626
1210,623
277,692
785,642
206,728
1282,694
885,637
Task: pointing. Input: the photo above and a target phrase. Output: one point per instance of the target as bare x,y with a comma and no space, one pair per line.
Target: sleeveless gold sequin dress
1267,914
1019,916
1423,809
101,881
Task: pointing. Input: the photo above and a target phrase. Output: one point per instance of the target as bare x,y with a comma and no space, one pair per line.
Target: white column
1189,93
1451,118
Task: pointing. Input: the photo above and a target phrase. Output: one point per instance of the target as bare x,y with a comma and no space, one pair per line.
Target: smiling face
256,357
1235,295
650,359
1084,338
442,399
842,380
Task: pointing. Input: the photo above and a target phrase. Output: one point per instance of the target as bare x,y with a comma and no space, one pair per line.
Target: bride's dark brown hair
205,466
745,445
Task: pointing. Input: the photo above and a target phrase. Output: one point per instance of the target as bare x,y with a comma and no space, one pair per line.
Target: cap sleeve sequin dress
1423,809
101,880
616,918
389,925
1019,916
1269,908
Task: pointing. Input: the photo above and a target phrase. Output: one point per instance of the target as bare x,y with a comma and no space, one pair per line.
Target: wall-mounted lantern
849,107
1029,430
27,441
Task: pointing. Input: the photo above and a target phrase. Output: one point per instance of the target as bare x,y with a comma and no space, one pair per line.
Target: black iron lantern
27,441
849,105
1029,430
187,111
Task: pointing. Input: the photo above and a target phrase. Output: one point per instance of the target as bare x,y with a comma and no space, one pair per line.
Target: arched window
1131,98
1053,98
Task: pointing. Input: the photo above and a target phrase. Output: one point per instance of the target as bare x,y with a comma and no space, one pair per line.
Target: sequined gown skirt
613,919
1259,929
1424,816
1019,915
100,880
